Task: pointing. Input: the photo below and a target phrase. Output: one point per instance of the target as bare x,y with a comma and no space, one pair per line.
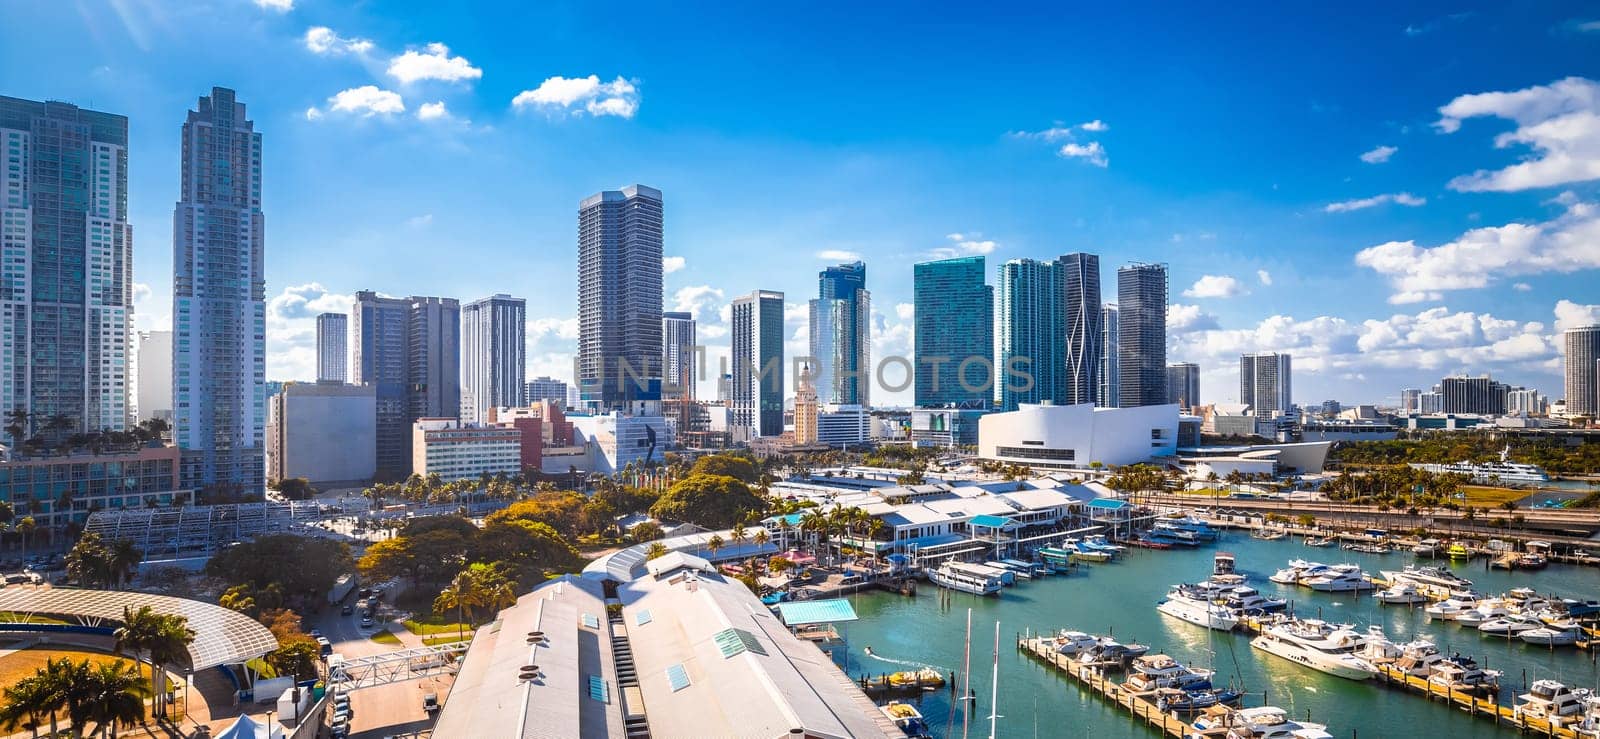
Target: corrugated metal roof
834,610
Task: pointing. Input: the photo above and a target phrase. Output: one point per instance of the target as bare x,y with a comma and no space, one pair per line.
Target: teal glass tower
1031,354
954,340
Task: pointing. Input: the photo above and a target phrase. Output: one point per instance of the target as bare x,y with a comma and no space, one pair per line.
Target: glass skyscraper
218,301
1080,303
1029,333
493,355
841,318
677,330
66,284
333,336
1110,393
955,328
756,388
409,349
619,297
1142,333
1264,384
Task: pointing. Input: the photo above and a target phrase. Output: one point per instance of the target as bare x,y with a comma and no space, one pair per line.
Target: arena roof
221,636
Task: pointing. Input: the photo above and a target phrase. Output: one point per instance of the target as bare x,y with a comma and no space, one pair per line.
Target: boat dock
1093,679
1472,704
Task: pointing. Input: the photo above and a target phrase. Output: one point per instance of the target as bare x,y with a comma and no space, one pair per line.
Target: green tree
122,561
462,595
646,531
112,696
26,704
298,657
138,635
89,561
714,543
656,549
727,465
294,488
710,501
303,567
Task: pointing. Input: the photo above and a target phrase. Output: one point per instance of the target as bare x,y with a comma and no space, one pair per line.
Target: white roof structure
221,636
249,728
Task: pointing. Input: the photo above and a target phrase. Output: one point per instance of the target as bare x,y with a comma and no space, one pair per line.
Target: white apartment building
458,451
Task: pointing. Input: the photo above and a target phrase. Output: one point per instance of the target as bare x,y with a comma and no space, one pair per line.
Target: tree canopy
711,501
300,566
727,465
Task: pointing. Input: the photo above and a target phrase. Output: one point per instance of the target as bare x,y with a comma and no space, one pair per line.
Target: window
641,618
599,689
733,642
1067,455
677,677
590,621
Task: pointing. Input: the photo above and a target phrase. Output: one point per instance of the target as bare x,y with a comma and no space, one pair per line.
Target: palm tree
760,538
657,549
112,695
124,561
713,544
25,704
139,631
462,595
25,529
738,534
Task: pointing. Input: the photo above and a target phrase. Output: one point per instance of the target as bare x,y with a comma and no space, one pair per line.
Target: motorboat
966,578
1006,575
1427,548
1319,645
1011,573
1247,600
1224,564
1459,552
1072,642
1417,658
1589,727
1194,604
1377,650
1549,699
1579,608
1297,569
1531,561
1449,608
1561,634
1193,701
1164,532
907,718
1270,535
1262,722
1401,594
1098,542
1085,554
1463,675
1342,579
1155,671
1434,579
1109,653
1201,530
1510,625
1486,610
1367,548
1320,541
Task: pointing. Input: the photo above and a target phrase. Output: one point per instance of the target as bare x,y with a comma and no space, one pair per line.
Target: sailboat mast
966,679
994,685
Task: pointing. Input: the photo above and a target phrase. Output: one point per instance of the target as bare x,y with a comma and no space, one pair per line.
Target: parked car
430,703
346,610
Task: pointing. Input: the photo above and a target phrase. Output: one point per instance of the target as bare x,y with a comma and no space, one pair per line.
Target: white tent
249,728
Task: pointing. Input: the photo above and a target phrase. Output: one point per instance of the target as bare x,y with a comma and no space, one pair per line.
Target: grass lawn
387,639
18,665
1480,495
428,627
12,617
446,638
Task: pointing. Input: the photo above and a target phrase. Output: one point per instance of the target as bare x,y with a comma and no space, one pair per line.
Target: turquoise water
1120,597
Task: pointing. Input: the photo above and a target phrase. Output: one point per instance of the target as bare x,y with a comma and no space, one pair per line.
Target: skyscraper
219,308
333,331
1028,333
493,348
1080,303
1110,393
1264,384
1473,395
409,349
1583,371
841,317
1183,385
619,297
1142,333
66,285
757,386
1410,400
546,388
954,337
677,332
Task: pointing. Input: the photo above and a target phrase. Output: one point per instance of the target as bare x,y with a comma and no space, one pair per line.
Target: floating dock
1094,680
1480,707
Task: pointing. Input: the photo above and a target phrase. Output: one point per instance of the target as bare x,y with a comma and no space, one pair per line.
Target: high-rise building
493,348
1142,334
66,285
1583,371
954,336
1525,401
1411,400
546,388
322,431
219,308
678,360
1431,401
333,350
154,378
410,350
1029,337
1110,392
1264,384
841,318
619,297
757,387
1183,385
1472,395
1082,314
805,409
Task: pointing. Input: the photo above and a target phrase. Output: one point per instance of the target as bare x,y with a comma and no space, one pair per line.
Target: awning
990,522
835,610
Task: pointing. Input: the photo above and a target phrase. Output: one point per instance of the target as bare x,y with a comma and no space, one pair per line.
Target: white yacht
1427,548
1244,599
1548,699
1559,634
1417,658
1401,594
1463,675
1450,608
1589,727
1485,611
966,578
1073,642
1298,569
1156,671
1504,470
1263,722
1435,579
1318,645
1510,625
1340,579
1194,604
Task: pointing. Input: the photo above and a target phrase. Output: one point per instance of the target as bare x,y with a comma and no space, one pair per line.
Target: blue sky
415,148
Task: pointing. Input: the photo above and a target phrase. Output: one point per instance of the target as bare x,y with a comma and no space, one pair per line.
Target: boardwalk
1095,680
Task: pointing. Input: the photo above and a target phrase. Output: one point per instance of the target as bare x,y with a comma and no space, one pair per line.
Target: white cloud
280,6
704,302
540,329
1052,134
1560,122
905,311
432,111
578,95
1095,125
1215,286
1565,244
1183,319
1573,315
1091,152
422,221
1379,155
323,40
1522,287
435,63
1398,198
368,100
965,243
673,264
838,255
1589,26
312,114
1264,276
292,329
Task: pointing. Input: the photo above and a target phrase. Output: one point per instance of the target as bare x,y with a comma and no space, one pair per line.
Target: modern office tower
333,351
154,380
1410,400
1142,352
1080,303
546,388
1525,401
219,303
1472,395
1183,385
66,286
619,297
1110,392
409,349
841,318
1431,401
1583,371
493,355
1029,344
678,360
756,390
954,336
1264,384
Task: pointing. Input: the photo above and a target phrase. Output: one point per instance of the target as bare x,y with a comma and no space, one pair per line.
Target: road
386,710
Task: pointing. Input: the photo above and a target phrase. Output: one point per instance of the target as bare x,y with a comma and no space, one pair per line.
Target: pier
1094,680
1481,707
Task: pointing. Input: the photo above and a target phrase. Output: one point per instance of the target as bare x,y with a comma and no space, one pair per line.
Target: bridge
394,667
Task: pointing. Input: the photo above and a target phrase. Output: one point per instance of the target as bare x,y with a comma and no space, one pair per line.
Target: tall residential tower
1028,333
1183,385
619,297
841,317
756,389
1264,384
1583,371
410,350
1142,333
493,348
333,332
1081,314
954,337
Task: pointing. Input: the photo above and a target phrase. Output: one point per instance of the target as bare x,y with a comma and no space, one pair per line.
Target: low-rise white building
457,451
1077,436
843,426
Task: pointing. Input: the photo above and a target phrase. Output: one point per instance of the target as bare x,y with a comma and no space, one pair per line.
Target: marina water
1120,597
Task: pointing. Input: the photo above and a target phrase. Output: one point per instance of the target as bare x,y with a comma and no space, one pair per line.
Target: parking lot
393,709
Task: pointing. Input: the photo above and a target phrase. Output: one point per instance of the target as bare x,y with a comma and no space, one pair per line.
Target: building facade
1410,400
325,432
1582,364
409,350
333,347
56,491
1029,343
546,388
756,390
945,426
66,285
1110,392
841,335
154,376
1183,385
842,426
805,409
1472,395
1079,436
615,440
678,355
1265,384
954,333
219,308
1082,314
493,355
619,297
1142,335
458,451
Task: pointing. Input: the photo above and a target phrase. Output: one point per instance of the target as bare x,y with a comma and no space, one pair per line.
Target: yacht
1462,675
1319,541
1202,531
1437,579
1263,722
1072,642
1427,548
1085,554
1548,699
1560,634
1155,671
1318,645
1110,653
1450,608
966,578
1007,577
1298,569
1164,532
1502,471
1223,564
1417,658
1098,542
1341,579
1247,600
1367,548
1403,594
1194,701
1486,610
1510,625
1193,604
